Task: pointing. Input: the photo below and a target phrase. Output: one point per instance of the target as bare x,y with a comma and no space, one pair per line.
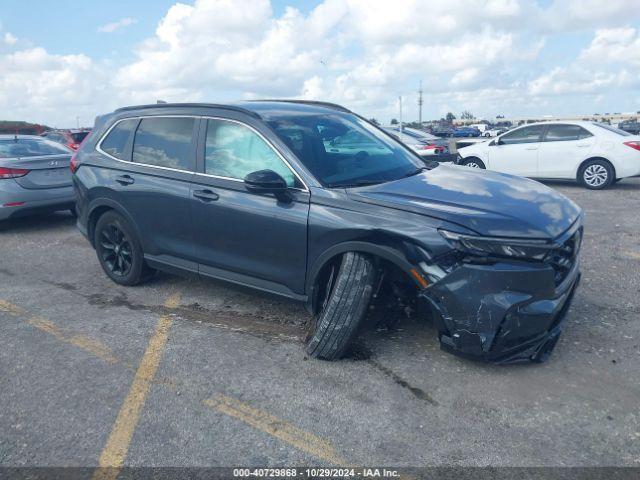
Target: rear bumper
35,201
520,323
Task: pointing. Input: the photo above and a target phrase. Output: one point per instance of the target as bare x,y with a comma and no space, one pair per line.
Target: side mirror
266,181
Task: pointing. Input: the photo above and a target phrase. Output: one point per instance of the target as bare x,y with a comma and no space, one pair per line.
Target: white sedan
594,154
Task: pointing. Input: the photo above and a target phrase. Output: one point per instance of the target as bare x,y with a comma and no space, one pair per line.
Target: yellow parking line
115,451
90,345
288,433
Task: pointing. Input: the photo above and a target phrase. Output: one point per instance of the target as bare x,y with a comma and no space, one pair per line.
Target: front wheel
343,306
473,162
596,174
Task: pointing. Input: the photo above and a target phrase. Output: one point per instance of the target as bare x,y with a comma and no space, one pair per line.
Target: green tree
466,115
374,121
450,117
394,121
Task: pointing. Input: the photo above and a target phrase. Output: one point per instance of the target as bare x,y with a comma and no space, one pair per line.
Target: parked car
482,127
34,176
632,127
494,131
442,131
70,138
466,132
249,193
423,143
595,154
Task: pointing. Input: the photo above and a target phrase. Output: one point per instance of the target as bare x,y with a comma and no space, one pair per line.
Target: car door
151,180
249,238
516,152
564,147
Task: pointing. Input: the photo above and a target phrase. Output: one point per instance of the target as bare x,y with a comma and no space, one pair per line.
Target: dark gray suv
310,201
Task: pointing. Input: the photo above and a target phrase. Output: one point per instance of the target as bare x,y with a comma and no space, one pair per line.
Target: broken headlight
497,246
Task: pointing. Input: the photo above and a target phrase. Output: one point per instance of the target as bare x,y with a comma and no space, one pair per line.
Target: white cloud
10,39
112,27
481,55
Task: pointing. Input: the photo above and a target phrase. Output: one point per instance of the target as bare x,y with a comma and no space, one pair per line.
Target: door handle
125,180
206,195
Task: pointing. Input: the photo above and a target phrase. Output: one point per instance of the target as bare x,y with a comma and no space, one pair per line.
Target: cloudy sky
509,57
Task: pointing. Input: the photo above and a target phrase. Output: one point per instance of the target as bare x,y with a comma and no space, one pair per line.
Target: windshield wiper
355,183
416,172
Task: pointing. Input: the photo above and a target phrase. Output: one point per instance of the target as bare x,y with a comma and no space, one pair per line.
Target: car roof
256,108
20,137
581,123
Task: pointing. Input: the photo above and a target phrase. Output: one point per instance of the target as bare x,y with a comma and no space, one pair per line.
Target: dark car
442,131
71,138
632,127
252,194
466,132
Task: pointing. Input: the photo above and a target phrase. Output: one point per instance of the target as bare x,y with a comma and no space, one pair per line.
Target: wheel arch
99,207
594,157
386,253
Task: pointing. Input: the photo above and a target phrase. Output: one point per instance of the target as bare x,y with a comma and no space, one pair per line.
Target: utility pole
420,105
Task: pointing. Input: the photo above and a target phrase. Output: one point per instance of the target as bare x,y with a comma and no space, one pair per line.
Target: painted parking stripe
117,446
89,345
281,429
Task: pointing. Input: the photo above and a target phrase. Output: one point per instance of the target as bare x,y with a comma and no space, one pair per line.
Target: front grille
564,257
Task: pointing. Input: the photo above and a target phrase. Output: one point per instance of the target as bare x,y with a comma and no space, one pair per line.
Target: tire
596,174
487,135
118,250
344,307
473,162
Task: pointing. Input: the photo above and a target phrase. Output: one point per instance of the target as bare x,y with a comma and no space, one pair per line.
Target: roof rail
187,105
335,106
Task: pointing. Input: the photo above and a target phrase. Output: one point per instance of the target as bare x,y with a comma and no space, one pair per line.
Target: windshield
78,137
342,150
612,129
29,147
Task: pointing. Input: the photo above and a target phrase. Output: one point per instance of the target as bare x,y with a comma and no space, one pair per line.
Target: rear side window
234,151
164,142
523,135
30,148
565,133
116,141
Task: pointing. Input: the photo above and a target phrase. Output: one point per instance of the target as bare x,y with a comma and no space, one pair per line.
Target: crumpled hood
490,203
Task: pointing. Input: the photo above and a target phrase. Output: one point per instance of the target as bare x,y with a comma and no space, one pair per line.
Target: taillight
12,172
73,146
73,163
635,144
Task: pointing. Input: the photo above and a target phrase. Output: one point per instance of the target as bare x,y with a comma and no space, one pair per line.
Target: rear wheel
596,174
119,251
473,162
344,304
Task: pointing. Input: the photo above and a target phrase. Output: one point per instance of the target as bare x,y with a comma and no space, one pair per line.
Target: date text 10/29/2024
316,473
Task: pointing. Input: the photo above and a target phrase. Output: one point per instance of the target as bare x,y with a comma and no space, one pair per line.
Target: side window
233,150
523,135
164,142
115,143
564,133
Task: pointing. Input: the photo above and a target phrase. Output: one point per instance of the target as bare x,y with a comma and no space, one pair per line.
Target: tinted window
234,151
115,143
78,137
523,135
560,133
164,142
24,147
319,141
612,129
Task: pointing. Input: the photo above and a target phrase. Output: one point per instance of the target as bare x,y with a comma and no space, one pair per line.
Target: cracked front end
503,300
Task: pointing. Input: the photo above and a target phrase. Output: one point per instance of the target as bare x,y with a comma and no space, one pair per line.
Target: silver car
34,176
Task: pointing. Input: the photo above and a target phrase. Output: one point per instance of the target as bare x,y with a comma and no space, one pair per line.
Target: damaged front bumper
501,313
